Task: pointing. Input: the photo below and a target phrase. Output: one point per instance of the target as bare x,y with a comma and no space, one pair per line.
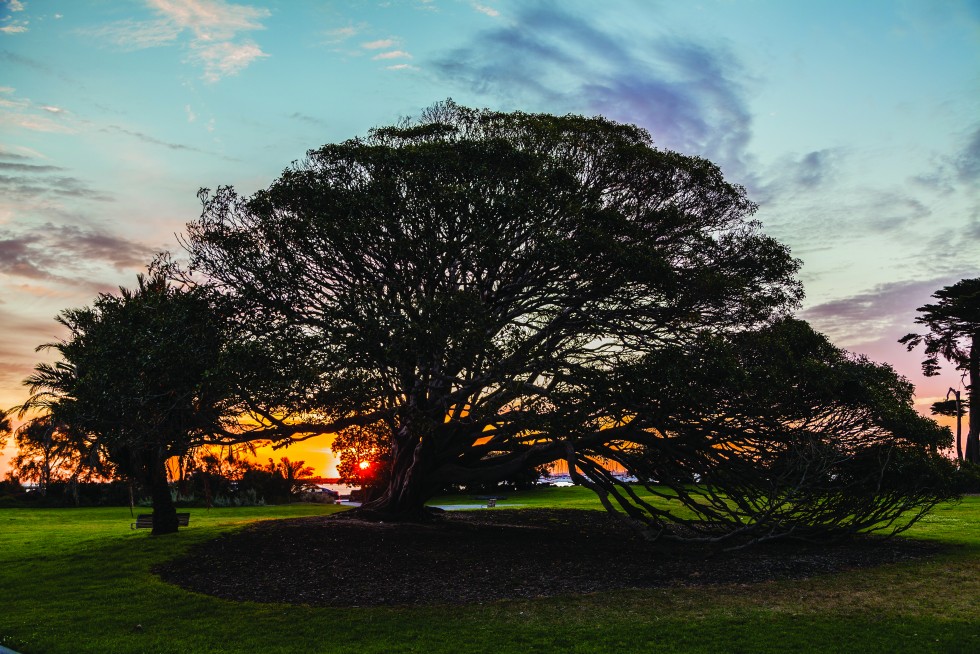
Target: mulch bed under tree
483,556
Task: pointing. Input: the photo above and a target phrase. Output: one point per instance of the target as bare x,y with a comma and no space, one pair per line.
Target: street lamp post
959,422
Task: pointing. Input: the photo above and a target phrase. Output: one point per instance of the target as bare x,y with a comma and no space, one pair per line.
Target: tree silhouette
46,453
955,408
5,429
446,278
785,434
296,473
364,457
472,294
953,322
140,380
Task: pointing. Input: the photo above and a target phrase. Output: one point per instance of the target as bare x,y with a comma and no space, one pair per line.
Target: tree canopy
140,379
450,277
473,293
953,324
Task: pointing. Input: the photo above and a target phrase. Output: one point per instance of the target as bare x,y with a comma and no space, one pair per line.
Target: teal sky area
854,125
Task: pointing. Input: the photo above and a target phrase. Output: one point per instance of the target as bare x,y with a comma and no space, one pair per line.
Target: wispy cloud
13,26
146,138
796,175
401,67
136,35
379,44
308,119
15,156
225,59
967,161
393,54
26,168
53,252
689,94
22,154
25,184
23,113
212,20
484,9
341,34
15,59
884,309
35,123
215,29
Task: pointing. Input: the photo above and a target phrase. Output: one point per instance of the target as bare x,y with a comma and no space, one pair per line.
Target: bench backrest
145,520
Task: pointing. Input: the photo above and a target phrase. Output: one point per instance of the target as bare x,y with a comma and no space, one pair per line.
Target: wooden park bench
145,521
491,500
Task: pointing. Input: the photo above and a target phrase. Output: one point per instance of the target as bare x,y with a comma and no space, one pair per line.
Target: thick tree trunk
409,484
164,511
959,428
973,435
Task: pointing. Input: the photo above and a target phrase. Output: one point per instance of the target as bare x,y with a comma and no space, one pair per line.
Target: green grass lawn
79,580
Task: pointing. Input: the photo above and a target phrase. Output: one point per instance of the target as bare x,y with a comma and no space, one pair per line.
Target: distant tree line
50,469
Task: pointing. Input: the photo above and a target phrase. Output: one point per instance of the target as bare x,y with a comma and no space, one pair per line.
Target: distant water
343,489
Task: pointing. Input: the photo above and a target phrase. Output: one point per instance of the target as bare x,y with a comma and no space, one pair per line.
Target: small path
469,507
444,507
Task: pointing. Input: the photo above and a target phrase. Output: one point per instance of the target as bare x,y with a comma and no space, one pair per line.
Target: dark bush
968,478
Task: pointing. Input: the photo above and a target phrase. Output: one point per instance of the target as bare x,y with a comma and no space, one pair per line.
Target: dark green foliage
10,486
229,481
47,453
954,335
948,408
444,280
140,380
785,433
522,480
364,457
472,294
5,429
968,478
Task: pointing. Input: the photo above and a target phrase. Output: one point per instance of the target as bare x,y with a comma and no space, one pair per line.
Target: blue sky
854,125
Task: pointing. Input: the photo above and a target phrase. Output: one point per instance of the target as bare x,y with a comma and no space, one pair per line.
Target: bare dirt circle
483,556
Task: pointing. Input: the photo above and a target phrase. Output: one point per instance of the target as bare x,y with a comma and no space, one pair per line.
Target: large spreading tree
448,277
953,322
483,292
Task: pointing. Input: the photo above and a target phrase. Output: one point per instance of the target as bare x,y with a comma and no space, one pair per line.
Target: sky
854,125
